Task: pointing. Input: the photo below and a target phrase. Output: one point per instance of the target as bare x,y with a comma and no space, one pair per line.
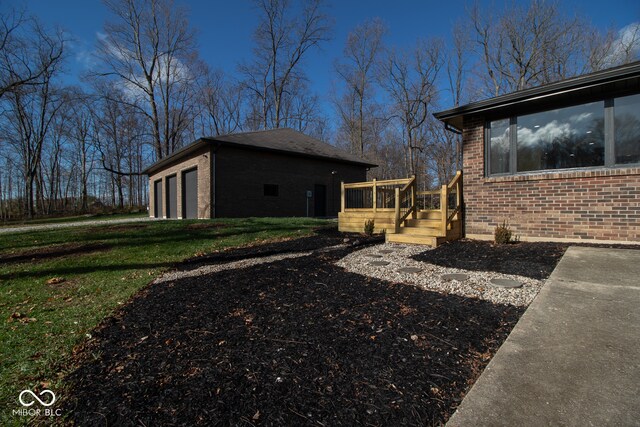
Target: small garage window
271,190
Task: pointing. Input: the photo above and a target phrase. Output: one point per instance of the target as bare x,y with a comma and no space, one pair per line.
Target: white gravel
214,268
429,278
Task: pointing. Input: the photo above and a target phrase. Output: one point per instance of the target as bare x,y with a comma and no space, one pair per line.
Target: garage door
172,197
157,199
190,194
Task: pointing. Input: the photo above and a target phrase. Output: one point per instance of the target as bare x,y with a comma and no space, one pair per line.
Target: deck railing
448,200
401,197
371,195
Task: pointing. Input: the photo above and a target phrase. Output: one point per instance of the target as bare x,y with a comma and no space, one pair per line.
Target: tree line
147,93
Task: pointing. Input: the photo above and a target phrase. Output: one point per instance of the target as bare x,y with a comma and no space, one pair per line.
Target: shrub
503,233
369,226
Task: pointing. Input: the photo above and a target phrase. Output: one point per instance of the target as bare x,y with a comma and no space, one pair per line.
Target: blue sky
225,27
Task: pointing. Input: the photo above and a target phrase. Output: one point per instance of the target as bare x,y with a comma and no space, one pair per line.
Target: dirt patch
206,225
116,228
293,342
51,252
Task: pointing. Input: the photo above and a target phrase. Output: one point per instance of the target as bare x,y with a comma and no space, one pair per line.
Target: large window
603,133
500,146
627,129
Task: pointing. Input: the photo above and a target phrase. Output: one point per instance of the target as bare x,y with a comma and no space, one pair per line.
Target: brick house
559,162
278,172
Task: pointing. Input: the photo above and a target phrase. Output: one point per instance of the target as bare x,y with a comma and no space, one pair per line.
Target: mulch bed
294,342
529,259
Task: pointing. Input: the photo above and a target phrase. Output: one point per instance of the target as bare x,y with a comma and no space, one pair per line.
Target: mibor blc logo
45,398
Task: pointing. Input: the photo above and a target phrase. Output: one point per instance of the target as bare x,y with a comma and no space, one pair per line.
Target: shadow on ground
293,342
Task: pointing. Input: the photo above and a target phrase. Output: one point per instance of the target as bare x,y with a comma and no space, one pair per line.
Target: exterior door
190,194
157,199
320,200
172,197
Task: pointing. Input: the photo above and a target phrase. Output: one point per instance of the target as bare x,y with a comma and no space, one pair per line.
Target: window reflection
627,129
499,146
563,138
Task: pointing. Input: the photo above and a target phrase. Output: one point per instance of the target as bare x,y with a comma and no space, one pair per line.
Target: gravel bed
214,268
243,263
476,286
38,227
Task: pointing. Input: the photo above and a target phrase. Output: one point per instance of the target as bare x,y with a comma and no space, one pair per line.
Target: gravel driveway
24,228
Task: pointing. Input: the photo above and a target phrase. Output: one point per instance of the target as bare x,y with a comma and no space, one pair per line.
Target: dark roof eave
290,153
197,144
552,89
204,141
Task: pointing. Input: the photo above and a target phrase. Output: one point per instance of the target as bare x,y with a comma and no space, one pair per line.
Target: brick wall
199,159
241,175
588,205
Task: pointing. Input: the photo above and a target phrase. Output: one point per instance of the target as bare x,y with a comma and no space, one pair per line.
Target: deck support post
414,214
341,196
397,211
375,197
443,210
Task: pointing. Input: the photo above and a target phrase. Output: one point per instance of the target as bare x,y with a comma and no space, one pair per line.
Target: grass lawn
76,218
102,266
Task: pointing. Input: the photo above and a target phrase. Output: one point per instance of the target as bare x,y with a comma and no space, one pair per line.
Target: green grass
96,283
76,218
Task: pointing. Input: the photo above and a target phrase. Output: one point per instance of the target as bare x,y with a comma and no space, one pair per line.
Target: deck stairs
404,214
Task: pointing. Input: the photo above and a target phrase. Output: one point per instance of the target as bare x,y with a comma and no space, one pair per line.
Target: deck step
431,214
430,223
421,231
415,239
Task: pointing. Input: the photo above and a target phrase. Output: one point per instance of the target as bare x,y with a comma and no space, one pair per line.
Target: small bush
503,233
369,226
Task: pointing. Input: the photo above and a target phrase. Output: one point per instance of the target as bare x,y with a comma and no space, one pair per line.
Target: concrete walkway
573,359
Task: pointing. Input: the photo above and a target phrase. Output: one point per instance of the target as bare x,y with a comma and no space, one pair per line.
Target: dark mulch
50,252
293,342
529,259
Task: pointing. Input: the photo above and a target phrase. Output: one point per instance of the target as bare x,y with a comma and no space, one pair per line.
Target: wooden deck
404,214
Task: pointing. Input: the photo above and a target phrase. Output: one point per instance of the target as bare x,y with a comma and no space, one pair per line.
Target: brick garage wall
242,173
589,205
200,159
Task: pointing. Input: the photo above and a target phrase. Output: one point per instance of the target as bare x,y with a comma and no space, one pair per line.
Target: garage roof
283,140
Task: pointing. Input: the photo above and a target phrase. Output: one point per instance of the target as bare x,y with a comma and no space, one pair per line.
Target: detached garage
278,172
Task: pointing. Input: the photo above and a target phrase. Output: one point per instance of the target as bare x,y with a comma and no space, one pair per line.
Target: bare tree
27,51
409,79
282,41
357,71
79,132
523,46
32,112
221,103
150,50
119,135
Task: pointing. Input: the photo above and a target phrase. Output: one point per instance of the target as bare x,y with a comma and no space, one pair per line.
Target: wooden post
414,214
375,198
397,213
443,210
341,196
